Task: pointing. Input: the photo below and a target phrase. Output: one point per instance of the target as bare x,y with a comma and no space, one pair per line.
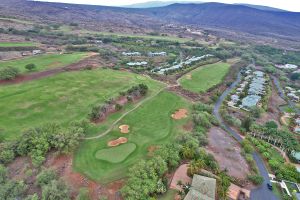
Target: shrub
256,179
55,190
30,67
8,73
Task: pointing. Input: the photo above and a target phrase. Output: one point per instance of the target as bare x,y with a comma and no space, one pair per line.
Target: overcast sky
292,5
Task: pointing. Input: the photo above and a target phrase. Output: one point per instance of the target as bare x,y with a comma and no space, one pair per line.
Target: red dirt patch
188,126
180,114
151,149
180,175
117,142
227,152
62,164
124,128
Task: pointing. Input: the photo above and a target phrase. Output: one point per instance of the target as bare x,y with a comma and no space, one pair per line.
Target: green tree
30,67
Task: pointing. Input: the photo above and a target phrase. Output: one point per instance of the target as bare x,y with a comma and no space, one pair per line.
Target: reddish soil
117,142
188,126
273,113
124,128
151,149
180,114
227,152
90,61
180,175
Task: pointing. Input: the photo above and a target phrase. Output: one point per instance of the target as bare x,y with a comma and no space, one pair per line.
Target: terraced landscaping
62,98
151,124
46,61
203,78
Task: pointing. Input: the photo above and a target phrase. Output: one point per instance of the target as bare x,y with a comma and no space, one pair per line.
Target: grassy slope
150,124
46,61
62,98
17,44
205,77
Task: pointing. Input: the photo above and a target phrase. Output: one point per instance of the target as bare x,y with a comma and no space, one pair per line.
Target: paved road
262,192
282,94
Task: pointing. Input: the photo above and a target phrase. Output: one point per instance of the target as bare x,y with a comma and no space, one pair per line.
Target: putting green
116,154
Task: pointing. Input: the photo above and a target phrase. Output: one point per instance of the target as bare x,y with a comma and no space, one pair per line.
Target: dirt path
90,60
125,114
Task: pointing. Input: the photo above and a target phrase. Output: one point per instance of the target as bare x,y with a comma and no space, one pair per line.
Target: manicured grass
17,44
205,77
62,98
150,124
287,109
115,154
46,61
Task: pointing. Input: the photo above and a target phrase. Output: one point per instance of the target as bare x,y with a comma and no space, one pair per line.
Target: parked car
270,187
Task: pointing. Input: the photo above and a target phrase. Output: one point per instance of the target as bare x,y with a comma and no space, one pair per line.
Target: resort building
202,188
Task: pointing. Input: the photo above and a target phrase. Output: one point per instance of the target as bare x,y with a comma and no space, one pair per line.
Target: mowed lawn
18,44
46,61
205,77
151,124
61,98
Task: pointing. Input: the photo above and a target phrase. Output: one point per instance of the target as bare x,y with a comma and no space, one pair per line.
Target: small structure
131,54
287,66
296,155
250,101
154,54
36,52
202,188
293,96
131,64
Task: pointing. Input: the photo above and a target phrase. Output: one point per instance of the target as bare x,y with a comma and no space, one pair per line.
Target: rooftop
203,188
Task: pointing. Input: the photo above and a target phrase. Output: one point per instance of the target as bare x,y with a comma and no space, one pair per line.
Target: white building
131,54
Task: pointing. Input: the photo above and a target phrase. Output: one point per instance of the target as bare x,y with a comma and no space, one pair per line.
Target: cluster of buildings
161,70
155,54
132,64
254,87
131,54
150,54
287,66
292,94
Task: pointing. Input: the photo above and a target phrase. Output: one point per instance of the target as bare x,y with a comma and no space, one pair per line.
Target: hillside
234,17
238,18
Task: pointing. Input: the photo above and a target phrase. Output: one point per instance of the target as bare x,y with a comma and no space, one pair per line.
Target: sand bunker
124,128
180,114
117,142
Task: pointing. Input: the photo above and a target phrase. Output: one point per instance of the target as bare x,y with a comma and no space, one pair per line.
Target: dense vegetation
282,170
37,142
